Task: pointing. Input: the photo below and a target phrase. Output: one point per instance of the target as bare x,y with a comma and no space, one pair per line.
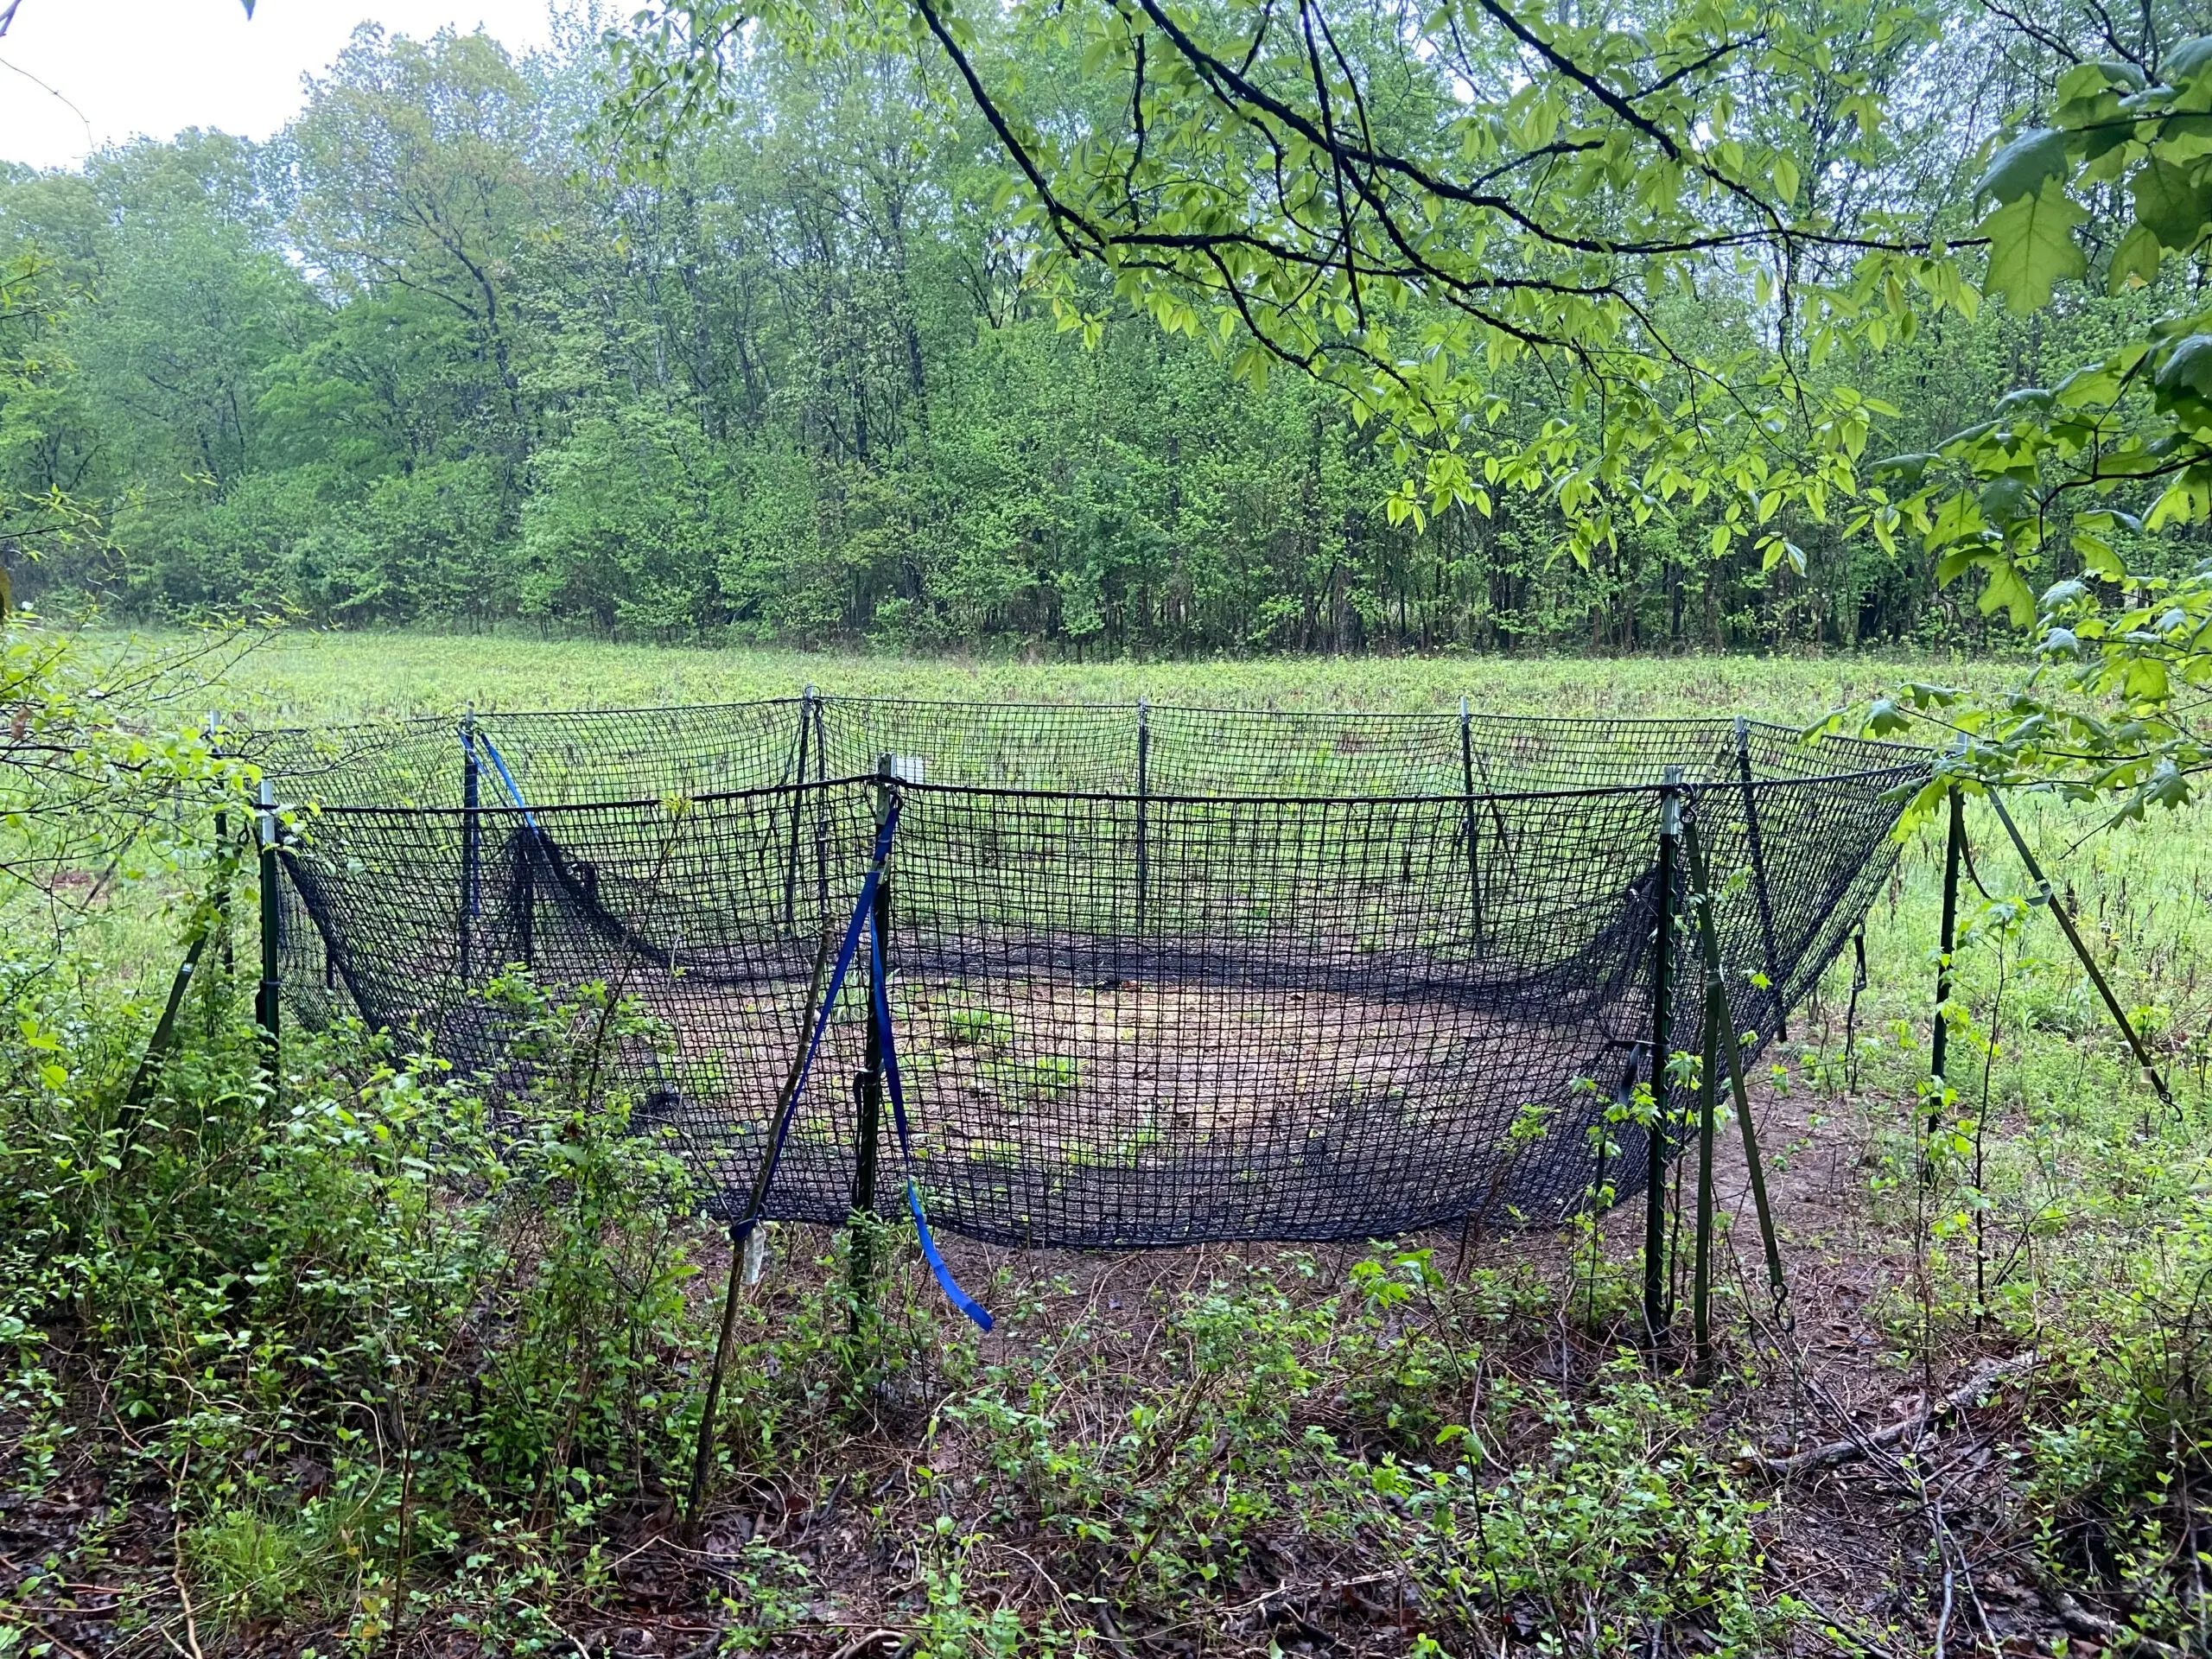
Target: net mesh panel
1158,976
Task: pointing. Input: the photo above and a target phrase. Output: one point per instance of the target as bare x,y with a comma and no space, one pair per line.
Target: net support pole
1701,1268
867,1085
799,777
1662,1019
525,898
1939,1049
223,854
744,1240
1144,808
267,996
1732,1050
1753,843
1467,788
472,842
820,808
2045,896
702,1455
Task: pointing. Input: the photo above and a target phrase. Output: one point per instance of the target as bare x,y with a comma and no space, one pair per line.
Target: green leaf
2136,260
2003,500
2188,61
2032,248
2187,370
2084,78
2171,203
1900,469
2097,557
2023,167
1785,178
2008,592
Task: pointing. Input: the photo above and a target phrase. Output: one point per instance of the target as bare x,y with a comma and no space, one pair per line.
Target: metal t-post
1939,1047
744,1237
1701,1264
526,897
2045,896
1144,804
867,1083
1731,1046
1663,1021
1468,789
472,842
799,806
224,867
267,996
820,809
1773,957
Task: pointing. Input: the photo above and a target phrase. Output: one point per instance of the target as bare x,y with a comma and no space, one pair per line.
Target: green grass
309,678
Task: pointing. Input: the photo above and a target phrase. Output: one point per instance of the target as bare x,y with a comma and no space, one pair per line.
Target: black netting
1157,976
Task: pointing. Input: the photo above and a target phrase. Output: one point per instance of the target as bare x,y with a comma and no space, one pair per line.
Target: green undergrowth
403,1363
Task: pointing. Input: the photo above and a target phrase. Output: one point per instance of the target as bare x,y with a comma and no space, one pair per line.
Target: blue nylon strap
879,1011
506,778
882,996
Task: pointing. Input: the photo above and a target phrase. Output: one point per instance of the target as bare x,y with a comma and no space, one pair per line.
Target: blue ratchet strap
507,778
959,1298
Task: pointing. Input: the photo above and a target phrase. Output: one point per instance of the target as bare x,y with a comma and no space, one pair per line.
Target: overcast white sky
155,67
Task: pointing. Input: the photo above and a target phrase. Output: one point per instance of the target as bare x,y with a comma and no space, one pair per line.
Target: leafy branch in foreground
2088,481
93,783
1433,211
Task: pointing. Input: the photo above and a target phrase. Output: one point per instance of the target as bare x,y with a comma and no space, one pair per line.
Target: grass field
311,677
1250,1450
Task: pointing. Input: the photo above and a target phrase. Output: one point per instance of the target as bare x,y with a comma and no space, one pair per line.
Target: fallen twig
861,1644
1984,1377
2083,1622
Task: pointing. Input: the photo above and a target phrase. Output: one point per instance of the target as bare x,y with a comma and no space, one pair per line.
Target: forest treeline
432,356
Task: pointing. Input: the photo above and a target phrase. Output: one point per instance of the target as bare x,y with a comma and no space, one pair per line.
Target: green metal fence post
1701,1269
472,842
867,1085
1731,1046
1939,1045
1662,1019
1468,789
1773,957
2045,896
799,806
266,1002
1144,803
